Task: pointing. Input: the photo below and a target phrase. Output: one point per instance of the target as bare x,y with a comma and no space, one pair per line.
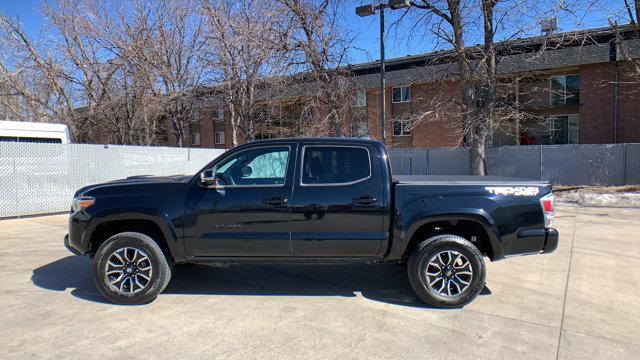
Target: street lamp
367,10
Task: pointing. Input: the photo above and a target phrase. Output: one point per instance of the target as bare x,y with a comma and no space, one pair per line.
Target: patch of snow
622,199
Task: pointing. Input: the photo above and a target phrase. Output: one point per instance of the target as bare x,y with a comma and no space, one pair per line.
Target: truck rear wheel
446,271
130,268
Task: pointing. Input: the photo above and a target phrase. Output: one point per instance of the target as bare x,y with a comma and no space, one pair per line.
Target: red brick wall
206,128
442,130
596,98
628,104
399,111
443,127
373,113
209,126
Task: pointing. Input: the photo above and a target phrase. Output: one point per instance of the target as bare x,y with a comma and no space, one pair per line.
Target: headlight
82,202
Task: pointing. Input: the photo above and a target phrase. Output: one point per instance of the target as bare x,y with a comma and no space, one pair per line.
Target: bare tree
114,71
74,77
156,47
318,49
484,105
177,46
627,34
31,84
478,79
245,53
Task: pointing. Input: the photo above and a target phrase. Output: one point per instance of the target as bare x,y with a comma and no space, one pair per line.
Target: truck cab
300,198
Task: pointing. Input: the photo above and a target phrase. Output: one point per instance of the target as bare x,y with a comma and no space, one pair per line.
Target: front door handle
276,200
364,200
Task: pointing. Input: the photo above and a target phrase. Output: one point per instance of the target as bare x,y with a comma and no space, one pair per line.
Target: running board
225,261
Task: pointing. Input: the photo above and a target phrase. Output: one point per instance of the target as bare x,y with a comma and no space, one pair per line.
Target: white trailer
32,132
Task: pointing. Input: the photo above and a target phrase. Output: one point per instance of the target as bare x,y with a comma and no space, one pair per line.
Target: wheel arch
155,225
475,226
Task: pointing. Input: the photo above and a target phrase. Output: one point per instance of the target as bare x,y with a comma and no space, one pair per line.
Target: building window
196,115
219,137
564,129
565,90
195,138
401,94
360,99
556,130
218,114
401,128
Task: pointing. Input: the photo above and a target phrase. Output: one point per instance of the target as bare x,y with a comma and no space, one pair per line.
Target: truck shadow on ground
384,283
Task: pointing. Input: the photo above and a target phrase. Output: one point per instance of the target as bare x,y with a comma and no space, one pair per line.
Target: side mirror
209,179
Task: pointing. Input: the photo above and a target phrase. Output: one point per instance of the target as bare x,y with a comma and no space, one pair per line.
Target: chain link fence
603,165
42,178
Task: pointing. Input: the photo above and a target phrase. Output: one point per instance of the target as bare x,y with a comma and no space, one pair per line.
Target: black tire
147,248
419,264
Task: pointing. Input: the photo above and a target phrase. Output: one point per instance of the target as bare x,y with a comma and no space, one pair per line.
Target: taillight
547,204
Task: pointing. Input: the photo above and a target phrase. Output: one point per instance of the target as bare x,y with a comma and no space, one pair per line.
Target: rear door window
335,165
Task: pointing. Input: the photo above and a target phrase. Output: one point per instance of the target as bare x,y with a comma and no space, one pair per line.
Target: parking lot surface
580,302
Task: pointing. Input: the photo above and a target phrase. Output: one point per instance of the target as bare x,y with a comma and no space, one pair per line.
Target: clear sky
364,30
26,10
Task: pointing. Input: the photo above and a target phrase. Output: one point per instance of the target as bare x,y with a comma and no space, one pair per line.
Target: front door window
256,167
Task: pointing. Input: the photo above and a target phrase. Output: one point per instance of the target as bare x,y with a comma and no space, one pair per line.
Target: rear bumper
533,241
551,240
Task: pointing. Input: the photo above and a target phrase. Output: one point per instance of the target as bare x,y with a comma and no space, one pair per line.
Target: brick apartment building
574,87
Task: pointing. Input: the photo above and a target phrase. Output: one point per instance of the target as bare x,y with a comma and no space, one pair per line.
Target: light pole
367,10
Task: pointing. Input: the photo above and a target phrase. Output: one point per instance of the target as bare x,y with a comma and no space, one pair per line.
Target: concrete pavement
580,302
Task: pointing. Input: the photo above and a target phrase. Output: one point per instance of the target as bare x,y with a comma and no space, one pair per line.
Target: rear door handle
364,200
276,200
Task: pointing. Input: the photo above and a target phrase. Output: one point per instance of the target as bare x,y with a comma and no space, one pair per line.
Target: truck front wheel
446,271
130,268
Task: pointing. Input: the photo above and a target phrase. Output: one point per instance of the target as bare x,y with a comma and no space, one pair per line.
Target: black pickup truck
308,201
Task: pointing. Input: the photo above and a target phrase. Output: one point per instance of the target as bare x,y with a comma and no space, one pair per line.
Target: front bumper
551,240
77,240
69,247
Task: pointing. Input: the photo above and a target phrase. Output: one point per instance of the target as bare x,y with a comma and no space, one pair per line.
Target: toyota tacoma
308,201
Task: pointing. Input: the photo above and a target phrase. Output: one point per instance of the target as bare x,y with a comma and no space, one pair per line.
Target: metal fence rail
606,165
41,178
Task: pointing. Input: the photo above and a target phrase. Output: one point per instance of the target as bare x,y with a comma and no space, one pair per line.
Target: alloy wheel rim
128,270
449,273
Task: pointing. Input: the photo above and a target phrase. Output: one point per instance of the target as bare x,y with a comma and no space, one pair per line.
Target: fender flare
478,216
160,219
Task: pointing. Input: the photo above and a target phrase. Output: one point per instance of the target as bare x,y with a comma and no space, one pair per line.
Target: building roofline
513,46
537,53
